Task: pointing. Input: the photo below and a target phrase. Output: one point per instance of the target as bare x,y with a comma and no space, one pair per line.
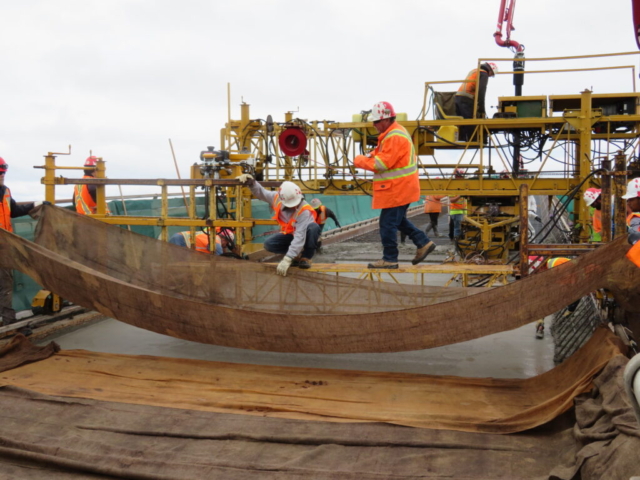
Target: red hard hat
91,161
4,166
382,110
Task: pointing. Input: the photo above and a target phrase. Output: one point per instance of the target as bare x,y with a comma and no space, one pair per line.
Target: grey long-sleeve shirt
634,230
302,222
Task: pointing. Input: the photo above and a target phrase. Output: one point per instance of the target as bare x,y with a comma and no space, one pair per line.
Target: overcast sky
121,77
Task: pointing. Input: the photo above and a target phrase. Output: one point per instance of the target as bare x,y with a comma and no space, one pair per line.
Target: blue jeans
280,242
392,220
457,224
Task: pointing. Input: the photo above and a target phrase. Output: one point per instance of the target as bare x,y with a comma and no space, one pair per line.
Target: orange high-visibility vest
456,208
321,215
630,217
289,227
468,88
554,262
432,203
597,221
394,164
202,241
5,211
634,254
84,203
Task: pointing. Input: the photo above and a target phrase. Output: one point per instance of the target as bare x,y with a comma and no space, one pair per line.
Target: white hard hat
382,110
493,67
633,189
315,203
290,194
227,234
591,195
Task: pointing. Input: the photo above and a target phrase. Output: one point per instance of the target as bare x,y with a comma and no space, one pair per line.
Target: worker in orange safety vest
299,232
395,186
224,241
10,209
633,220
467,94
84,196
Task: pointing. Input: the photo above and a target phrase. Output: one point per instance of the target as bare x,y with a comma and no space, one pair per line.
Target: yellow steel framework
571,123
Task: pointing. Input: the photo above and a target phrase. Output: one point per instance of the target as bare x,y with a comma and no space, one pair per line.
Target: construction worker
633,220
323,213
433,207
299,232
84,196
10,209
457,211
224,241
592,200
467,94
395,186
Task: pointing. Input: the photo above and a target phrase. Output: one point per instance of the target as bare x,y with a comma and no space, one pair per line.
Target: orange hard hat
91,161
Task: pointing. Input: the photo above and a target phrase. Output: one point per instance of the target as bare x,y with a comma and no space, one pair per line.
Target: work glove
283,266
245,179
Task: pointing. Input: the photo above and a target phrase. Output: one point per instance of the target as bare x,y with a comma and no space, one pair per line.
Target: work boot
383,264
422,253
304,263
296,261
540,329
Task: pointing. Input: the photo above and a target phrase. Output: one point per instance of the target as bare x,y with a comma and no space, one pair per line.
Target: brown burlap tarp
67,437
20,351
424,401
177,292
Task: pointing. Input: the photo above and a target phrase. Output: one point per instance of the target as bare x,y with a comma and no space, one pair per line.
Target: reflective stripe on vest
84,203
321,217
288,228
5,212
458,208
554,262
630,217
385,174
468,87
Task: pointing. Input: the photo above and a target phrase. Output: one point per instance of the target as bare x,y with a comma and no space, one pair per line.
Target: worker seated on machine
224,240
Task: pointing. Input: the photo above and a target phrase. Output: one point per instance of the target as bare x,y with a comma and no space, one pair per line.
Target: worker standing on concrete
457,211
9,209
84,196
467,94
552,263
299,232
633,220
433,207
396,185
592,200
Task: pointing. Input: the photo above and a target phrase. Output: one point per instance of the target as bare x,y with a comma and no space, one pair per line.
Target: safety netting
185,294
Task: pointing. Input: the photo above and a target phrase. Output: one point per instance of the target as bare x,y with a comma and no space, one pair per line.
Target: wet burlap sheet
54,438
174,291
424,401
20,351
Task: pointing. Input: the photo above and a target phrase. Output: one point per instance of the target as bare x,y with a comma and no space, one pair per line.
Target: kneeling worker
322,213
299,232
224,239
396,185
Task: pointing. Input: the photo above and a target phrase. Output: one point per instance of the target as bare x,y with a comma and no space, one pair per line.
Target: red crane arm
505,19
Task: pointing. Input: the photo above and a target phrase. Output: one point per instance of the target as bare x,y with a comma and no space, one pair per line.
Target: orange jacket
432,203
289,227
597,220
202,241
5,211
394,163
